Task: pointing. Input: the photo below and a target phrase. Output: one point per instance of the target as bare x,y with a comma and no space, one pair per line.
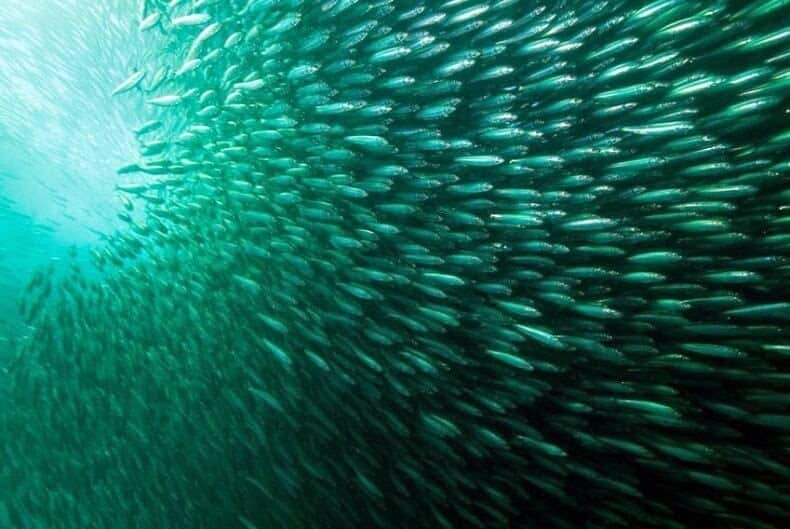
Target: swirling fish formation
392,263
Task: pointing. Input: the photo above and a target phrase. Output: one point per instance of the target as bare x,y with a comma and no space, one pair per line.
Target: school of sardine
410,263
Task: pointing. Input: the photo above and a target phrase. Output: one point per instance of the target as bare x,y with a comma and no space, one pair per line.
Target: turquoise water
291,264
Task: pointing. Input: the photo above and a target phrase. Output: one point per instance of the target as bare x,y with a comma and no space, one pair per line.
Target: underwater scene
394,264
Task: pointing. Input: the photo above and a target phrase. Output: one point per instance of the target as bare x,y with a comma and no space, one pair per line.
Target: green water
390,264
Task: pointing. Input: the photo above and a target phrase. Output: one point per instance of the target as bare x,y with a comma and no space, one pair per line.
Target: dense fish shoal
427,264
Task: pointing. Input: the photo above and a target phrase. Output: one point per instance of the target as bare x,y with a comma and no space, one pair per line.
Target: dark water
279,263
